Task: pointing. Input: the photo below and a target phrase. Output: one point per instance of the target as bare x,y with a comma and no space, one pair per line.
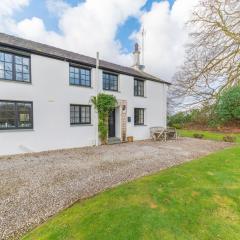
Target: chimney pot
136,57
136,47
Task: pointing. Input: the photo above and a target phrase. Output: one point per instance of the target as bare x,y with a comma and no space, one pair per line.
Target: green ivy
104,104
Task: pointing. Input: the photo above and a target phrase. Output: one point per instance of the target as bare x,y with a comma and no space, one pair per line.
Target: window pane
2,58
8,58
71,70
139,116
79,76
7,115
19,68
24,115
19,76
139,88
80,114
26,77
25,69
110,82
18,60
26,61
1,74
1,65
22,69
8,66
8,75
71,80
14,73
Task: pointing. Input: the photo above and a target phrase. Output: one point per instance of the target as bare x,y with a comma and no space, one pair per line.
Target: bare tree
213,58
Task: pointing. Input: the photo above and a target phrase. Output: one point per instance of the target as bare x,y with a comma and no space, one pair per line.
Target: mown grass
197,200
207,134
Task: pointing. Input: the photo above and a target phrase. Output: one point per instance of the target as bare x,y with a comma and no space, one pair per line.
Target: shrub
177,125
198,135
178,119
228,105
229,138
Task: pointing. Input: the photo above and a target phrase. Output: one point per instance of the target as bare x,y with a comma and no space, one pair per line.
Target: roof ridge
42,48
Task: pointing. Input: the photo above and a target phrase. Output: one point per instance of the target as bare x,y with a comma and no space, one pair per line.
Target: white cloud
166,36
57,7
7,7
92,25
34,29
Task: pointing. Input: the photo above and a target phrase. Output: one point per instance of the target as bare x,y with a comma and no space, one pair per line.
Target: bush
229,138
228,105
178,120
198,135
177,126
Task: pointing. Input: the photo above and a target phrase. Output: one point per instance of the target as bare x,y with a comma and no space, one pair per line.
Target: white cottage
45,95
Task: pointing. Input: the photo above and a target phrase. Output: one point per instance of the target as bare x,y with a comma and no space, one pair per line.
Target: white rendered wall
52,95
154,103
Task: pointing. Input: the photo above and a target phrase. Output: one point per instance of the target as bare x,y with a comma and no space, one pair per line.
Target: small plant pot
130,139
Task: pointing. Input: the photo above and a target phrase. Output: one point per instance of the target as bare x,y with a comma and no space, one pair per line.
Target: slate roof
50,51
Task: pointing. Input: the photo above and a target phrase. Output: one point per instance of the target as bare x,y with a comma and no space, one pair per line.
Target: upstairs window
138,116
16,115
138,87
80,76
14,67
80,114
110,81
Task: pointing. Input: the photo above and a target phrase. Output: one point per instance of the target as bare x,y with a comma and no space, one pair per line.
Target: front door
111,124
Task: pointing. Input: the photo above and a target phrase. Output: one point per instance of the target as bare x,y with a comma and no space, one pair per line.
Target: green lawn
197,200
207,134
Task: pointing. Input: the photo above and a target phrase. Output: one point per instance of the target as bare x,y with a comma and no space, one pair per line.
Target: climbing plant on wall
104,104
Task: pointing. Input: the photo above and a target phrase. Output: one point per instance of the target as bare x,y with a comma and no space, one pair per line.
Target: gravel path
35,186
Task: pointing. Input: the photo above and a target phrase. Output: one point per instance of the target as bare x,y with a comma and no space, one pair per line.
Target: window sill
81,86
15,81
16,130
140,125
106,90
81,125
140,96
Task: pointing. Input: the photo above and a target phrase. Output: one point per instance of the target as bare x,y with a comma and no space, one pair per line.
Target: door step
114,140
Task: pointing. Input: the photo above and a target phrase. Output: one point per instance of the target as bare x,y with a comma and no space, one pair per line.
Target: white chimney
136,58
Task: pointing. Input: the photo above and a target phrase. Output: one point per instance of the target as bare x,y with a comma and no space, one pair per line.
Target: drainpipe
97,91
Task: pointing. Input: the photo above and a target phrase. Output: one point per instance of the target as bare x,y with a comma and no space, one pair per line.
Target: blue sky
39,9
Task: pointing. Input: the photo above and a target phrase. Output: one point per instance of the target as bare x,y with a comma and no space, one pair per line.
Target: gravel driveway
35,186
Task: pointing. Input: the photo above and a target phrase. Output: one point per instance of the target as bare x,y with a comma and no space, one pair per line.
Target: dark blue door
111,124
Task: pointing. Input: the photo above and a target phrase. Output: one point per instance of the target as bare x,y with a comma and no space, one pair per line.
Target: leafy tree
228,105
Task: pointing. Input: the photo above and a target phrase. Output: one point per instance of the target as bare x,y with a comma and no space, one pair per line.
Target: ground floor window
138,116
80,114
16,115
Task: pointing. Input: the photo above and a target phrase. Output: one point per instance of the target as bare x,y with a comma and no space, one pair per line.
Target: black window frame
80,84
139,87
72,123
137,119
107,86
16,112
14,63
